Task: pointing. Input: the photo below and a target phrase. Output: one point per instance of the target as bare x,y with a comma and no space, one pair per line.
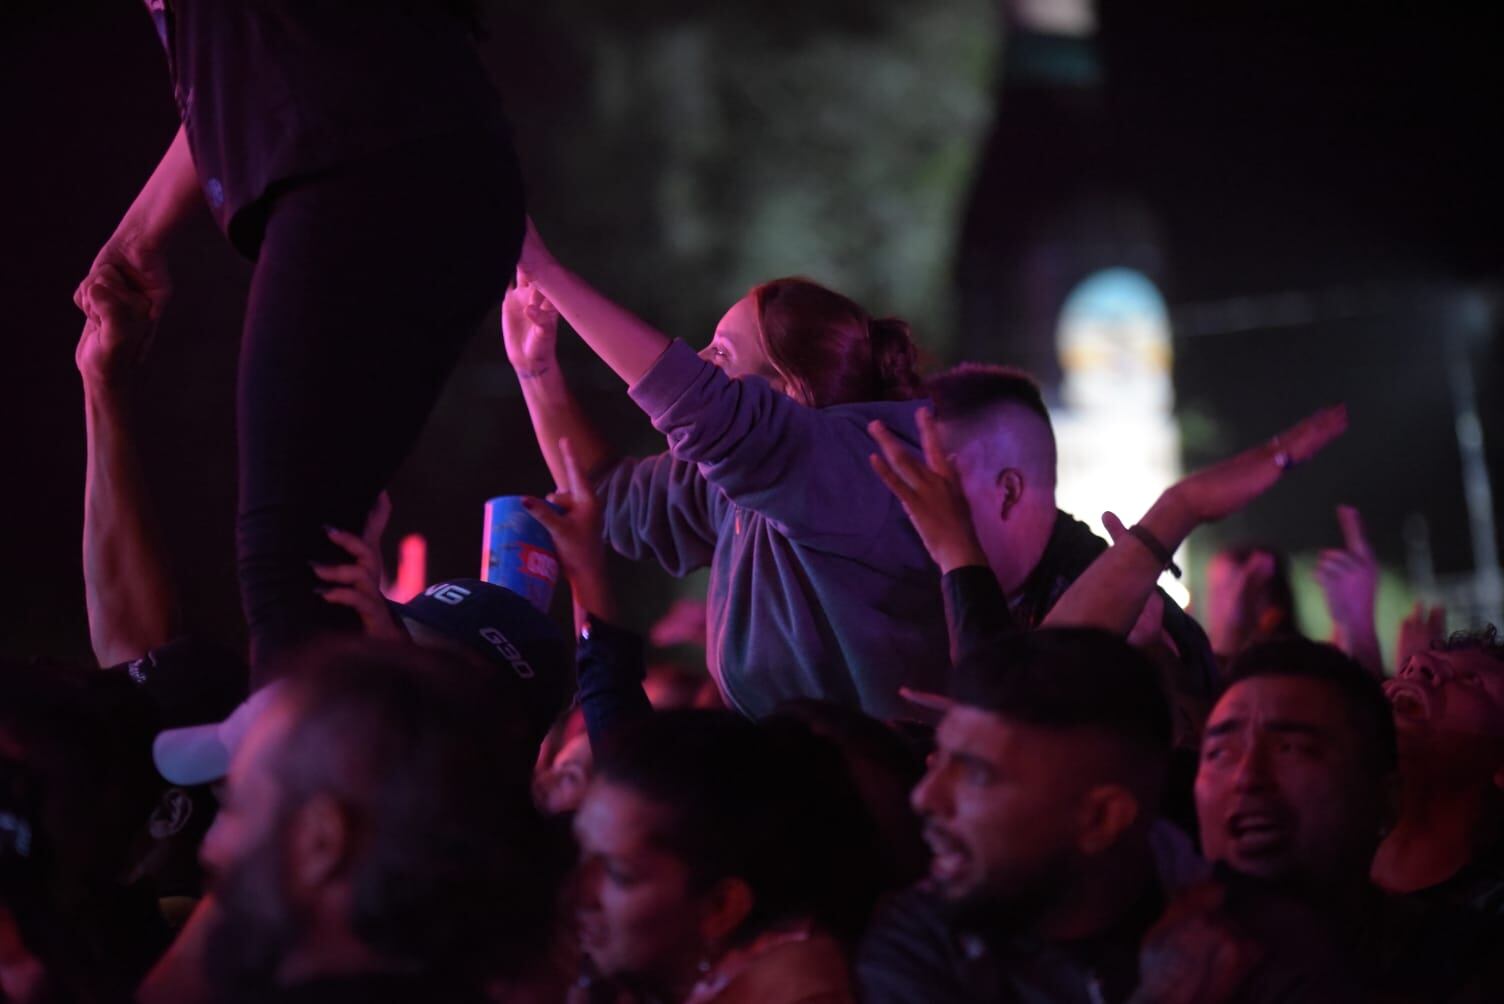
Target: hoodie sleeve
803,468
659,507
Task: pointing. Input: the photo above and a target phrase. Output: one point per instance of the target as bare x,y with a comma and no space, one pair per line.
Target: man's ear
173,812
727,906
320,841
1010,490
1106,811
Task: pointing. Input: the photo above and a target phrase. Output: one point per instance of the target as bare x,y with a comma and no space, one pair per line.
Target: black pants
369,281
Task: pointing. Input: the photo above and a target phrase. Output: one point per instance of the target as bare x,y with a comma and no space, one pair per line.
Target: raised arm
1349,578
529,329
135,249
127,587
1111,592
624,342
803,468
610,660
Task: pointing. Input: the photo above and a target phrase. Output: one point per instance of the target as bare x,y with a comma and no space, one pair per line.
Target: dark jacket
977,613
918,950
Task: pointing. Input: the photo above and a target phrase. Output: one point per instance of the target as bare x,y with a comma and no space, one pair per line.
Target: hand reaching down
117,327
139,264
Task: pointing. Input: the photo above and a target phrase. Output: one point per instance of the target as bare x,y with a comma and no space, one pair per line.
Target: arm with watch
609,660
1112,591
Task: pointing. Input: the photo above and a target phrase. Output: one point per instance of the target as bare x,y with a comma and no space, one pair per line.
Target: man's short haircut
455,869
1369,710
969,391
1485,639
1071,678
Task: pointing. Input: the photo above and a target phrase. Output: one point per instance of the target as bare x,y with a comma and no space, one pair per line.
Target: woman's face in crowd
737,347
1283,790
638,919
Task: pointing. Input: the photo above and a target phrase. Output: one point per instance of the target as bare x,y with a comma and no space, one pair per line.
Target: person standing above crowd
331,143
819,587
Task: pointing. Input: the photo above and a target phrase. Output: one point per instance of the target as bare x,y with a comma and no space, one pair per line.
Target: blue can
518,553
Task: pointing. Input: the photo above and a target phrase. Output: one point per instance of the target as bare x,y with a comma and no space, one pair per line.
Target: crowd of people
957,747
947,744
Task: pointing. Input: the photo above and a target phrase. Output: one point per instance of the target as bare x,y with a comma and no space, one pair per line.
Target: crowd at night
928,737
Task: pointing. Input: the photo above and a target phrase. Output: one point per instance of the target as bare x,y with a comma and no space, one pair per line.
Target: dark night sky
1303,151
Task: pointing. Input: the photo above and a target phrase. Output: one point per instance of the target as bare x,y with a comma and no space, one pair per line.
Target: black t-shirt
273,89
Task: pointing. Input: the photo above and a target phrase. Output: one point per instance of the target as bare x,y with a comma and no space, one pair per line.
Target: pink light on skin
412,569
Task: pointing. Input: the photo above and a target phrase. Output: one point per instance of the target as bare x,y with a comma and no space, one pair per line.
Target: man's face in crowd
245,862
999,804
638,918
1283,790
1449,713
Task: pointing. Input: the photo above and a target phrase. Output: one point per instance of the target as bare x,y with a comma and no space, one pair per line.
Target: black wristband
1157,549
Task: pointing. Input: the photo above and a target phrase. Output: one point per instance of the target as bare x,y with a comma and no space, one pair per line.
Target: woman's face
638,919
737,347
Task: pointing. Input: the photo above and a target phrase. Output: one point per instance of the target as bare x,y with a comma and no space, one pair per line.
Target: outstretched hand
930,493
117,327
1112,591
573,517
1214,492
357,583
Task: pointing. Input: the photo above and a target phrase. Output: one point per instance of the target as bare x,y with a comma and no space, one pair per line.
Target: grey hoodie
819,586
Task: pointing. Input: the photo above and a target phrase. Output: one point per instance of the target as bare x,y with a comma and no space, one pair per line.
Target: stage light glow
1119,445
